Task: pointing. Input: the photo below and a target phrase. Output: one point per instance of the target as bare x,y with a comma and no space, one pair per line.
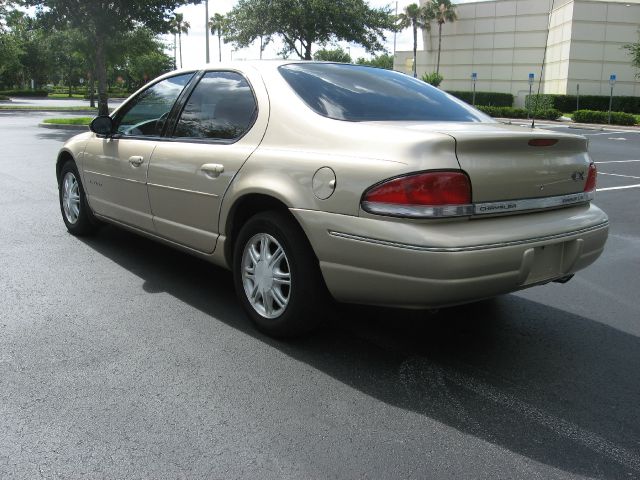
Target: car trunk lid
506,162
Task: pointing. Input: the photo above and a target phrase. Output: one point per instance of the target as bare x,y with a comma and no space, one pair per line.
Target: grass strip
69,121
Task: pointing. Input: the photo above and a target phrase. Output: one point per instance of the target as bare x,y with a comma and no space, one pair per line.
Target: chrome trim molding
491,208
114,177
183,190
470,248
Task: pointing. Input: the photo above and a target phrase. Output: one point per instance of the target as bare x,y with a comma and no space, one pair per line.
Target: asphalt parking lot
121,358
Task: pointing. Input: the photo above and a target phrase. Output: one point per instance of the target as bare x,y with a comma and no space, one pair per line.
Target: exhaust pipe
564,279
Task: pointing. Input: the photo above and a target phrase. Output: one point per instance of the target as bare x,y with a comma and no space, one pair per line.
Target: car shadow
555,387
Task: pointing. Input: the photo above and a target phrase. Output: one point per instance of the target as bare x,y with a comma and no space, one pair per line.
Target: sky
193,44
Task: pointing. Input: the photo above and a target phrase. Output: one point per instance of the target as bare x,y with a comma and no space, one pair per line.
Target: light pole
612,82
532,77
206,27
395,34
474,79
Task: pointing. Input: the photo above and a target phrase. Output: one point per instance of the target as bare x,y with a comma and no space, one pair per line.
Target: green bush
509,112
593,116
567,103
24,93
432,78
494,99
3,97
539,102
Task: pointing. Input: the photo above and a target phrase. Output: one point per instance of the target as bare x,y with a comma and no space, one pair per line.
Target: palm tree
415,17
218,25
179,26
442,11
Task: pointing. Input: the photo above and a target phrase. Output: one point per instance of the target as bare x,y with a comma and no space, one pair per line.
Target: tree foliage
333,55
634,51
102,21
301,24
380,61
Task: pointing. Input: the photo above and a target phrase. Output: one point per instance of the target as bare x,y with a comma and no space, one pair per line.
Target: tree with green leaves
442,11
178,26
334,55
380,61
102,21
301,24
634,51
418,18
218,26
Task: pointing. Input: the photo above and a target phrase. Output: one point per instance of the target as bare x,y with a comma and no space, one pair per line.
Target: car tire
277,276
77,215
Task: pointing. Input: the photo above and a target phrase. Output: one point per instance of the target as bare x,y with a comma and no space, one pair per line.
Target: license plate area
547,263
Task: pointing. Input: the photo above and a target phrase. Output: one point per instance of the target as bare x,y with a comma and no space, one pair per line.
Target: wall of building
504,40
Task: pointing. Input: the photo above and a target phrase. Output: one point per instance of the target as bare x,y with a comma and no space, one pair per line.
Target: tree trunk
101,72
307,49
415,51
180,45
92,98
175,46
439,46
219,47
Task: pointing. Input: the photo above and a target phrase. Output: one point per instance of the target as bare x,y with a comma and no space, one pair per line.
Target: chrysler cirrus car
318,180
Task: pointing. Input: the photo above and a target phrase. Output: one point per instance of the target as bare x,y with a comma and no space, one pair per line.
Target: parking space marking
619,161
603,133
617,188
618,175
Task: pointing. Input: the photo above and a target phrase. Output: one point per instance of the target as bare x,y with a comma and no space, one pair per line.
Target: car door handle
212,170
136,160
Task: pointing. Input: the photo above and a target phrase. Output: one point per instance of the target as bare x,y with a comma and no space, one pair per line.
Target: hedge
508,112
24,93
493,99
592,116
3,97
567,103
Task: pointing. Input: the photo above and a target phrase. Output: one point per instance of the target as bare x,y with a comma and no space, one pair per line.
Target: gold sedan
317,180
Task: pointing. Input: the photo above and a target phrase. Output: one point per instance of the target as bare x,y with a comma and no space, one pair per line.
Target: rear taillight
592,178
429,195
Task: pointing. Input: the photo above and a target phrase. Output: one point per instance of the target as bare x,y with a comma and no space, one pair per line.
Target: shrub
567,103
24,93
432,78
495,99
593,116
2,97
539,102
508,112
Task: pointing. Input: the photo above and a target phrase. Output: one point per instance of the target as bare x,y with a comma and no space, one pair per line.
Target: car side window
221,107
147,113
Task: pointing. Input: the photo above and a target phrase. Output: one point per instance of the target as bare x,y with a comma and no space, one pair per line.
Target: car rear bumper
432,264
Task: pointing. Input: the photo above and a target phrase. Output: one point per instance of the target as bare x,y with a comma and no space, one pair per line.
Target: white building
503,41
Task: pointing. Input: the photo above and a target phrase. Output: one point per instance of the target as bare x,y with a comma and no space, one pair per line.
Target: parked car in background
314,180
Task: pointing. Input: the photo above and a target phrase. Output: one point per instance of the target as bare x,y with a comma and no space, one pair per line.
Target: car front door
115,168
221,124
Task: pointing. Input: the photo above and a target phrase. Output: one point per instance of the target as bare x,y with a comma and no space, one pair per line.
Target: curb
52,110
581,126
53,126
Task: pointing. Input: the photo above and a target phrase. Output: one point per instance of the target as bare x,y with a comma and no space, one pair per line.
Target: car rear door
221,124
115,168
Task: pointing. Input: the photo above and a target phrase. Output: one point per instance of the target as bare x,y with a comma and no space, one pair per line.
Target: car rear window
357,93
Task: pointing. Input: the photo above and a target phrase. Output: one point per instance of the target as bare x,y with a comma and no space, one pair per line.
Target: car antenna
544,58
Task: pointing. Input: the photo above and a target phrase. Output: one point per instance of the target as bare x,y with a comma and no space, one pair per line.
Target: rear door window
221,107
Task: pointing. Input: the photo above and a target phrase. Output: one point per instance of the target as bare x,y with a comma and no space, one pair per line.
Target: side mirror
102,125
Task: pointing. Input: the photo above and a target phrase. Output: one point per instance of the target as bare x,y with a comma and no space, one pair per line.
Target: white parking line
602,133
617,188
619,161
618,175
